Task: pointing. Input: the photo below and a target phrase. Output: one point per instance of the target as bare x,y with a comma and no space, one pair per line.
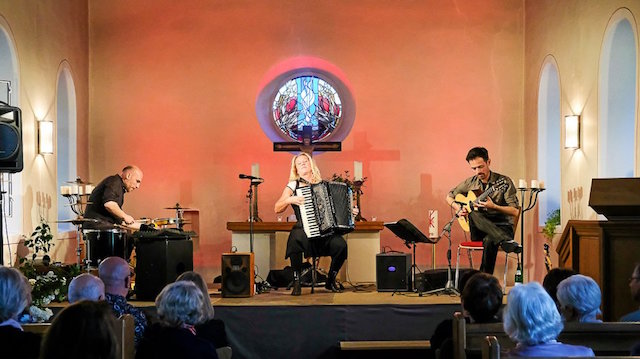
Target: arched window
616,102
66,139
549,144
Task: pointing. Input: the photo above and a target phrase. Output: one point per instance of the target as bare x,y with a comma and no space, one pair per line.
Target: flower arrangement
48,283
346,178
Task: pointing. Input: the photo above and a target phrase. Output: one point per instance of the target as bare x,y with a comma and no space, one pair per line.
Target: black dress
213,331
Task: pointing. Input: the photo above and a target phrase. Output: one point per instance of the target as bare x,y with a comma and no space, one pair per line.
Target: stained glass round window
307,101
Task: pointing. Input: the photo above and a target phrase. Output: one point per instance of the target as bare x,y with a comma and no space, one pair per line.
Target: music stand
406,231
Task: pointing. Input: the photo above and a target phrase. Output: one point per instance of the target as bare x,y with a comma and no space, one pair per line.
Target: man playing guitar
490,218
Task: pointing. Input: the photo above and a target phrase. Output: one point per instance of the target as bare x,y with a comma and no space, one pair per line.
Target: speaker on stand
10,153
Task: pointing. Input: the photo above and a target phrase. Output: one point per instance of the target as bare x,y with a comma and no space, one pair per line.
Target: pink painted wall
173,89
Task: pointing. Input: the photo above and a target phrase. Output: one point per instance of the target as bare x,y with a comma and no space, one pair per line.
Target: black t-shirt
110,189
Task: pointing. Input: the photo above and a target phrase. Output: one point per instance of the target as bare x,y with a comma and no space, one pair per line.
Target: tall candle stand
78,195
357,185
533,200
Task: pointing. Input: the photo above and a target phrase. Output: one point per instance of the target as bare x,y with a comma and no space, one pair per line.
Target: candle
541,184
433,223
255,170
65,190
522,183
74,189
80,189
357,171
534,183
88,189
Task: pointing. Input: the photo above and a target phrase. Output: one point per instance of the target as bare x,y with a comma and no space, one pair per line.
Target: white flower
40,315
32,281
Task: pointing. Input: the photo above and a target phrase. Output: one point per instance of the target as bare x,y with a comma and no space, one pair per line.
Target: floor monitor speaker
393,272
238,275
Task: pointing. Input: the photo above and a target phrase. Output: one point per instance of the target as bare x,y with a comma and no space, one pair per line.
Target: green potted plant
553,220
40,242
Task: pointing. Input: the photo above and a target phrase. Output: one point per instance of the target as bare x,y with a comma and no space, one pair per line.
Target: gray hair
86,286
15,293
195,277
581,293
180,303
531,317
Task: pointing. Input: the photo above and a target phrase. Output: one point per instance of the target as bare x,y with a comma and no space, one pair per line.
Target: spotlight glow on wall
45,137
572,132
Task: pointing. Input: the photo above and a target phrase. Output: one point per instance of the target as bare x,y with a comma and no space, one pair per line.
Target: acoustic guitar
470,201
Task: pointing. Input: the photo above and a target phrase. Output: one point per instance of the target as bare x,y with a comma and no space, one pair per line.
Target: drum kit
107,242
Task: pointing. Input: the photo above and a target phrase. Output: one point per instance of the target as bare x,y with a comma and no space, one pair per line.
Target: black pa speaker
10,139
237,275
160,262
393,272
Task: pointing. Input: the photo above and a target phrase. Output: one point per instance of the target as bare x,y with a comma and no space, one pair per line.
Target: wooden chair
224,352
471,246
609,338
491,350
126,335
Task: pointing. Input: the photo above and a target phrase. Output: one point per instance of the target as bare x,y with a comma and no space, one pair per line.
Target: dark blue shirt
120,306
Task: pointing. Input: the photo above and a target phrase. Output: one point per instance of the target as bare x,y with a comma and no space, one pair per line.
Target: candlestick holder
533,200
78,200
357,188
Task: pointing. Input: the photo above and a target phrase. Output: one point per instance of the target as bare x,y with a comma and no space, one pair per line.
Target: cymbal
78,220
176,207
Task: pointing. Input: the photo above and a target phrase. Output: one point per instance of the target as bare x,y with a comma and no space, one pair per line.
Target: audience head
196,278
15,293
531,316
579,298
82,330
482,297
553,278
116,275
180,303
86,286
465,278
634,283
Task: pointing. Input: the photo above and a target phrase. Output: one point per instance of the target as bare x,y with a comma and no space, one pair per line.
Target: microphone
241,176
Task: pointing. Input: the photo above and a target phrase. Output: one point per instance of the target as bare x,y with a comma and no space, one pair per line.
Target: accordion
327,209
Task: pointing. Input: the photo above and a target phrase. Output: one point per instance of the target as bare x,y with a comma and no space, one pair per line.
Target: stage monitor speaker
10,139
160,262
237,275
393,272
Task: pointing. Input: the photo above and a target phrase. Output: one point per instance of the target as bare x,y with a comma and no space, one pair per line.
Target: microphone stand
450,287
250,197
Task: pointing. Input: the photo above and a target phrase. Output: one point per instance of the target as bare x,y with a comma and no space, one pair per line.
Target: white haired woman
304,172
179,307
209,328
579,297
531,319
15,296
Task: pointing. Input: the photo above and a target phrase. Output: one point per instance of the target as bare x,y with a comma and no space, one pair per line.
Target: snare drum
101,244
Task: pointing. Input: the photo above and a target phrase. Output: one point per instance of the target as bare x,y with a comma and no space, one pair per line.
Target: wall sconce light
572,132
45,137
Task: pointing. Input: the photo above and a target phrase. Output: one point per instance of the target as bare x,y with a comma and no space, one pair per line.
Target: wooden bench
385,345
609,338
125,334
491,350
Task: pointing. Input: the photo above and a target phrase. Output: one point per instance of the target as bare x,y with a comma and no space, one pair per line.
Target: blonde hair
315,172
